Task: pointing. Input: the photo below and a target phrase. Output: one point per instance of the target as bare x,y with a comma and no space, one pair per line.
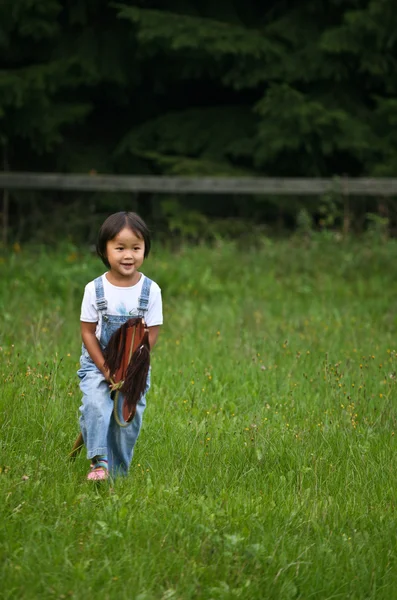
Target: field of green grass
266,466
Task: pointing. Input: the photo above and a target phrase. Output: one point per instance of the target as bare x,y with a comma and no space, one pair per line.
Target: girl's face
125,254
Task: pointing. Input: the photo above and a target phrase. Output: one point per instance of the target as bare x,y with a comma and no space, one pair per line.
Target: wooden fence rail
380,187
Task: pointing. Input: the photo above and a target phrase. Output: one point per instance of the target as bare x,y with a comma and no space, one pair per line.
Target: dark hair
114,224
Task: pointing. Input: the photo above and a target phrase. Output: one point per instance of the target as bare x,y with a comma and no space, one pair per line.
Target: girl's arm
153,335
94,350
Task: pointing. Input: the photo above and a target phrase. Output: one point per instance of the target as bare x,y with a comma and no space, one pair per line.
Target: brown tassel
115,349
127,356
136,377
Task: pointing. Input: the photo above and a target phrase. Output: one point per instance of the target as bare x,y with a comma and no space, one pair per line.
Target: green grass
266,465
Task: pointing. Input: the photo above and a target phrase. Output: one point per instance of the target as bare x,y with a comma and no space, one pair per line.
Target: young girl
109,301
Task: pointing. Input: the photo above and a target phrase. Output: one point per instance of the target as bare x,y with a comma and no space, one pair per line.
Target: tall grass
266,465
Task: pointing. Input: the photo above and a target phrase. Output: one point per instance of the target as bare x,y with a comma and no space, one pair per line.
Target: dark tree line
233,87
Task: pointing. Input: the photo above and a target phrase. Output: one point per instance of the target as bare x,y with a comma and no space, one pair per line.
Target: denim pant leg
121,440
96,412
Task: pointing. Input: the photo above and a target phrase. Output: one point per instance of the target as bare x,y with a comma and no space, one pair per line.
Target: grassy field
266,467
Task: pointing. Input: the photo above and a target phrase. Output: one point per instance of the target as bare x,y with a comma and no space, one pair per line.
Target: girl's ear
105,256
104,259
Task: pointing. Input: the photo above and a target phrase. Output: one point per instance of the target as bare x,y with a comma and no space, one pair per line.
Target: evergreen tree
293,80
35,80
231,87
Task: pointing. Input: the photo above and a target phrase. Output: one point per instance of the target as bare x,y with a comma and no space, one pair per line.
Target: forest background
181,87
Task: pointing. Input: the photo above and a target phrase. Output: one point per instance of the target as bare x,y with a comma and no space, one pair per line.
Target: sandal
98,474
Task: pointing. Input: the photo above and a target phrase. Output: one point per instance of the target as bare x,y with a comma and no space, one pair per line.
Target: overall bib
100,431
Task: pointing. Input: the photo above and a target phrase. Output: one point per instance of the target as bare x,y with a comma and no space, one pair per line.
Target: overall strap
101,302
143,301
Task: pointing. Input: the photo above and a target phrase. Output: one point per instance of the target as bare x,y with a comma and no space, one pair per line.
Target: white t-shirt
121,301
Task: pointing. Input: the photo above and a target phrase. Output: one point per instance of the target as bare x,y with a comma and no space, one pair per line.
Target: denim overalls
100,431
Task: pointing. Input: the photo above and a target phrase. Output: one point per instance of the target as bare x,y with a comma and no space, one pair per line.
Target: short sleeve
89,312
154,315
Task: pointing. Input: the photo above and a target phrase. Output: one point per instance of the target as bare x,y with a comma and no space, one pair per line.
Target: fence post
6,203
346,206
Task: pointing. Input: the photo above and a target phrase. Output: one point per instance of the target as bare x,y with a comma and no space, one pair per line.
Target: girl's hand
106,374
